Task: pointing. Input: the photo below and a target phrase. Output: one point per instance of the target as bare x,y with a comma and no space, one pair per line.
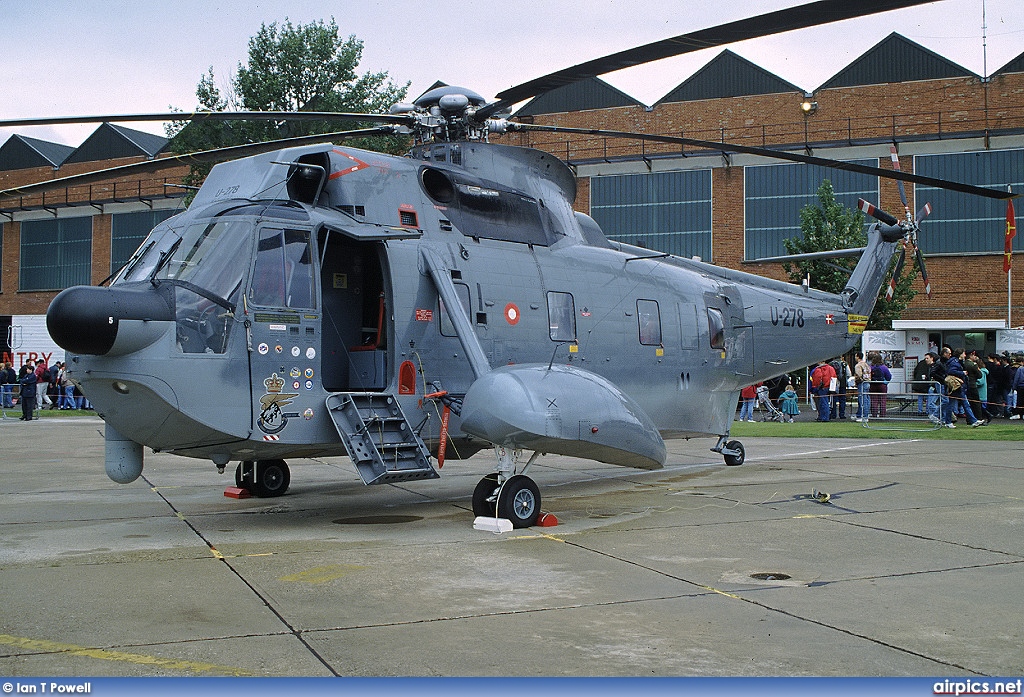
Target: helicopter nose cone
88,319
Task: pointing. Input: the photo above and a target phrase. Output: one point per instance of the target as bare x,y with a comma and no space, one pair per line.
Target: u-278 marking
788,316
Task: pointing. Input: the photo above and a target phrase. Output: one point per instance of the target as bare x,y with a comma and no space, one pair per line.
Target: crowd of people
950,384
39,387
963,383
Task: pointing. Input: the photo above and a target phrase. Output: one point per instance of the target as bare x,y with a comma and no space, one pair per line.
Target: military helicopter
319,300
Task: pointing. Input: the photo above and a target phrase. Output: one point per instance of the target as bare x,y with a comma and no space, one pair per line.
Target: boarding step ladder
378,438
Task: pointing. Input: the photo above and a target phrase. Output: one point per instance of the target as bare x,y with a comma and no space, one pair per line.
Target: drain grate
770,576
377,520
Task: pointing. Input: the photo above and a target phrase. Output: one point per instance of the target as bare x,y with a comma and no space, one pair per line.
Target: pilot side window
648,317
561,316
283,275
716,325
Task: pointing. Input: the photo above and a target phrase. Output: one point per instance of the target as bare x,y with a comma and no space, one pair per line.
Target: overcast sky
61,57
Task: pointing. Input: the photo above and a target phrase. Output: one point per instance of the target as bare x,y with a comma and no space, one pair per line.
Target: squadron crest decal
273,418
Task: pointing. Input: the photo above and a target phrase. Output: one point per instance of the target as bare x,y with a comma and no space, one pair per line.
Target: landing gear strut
505,494
264,478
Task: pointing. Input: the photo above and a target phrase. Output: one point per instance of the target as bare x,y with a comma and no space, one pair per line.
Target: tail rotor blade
891,290
925,210
924,272
896,166
876,212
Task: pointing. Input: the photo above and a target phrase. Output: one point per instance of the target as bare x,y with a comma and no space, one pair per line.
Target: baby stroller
771,412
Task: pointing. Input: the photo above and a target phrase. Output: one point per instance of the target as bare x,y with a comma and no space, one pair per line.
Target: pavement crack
298,634
738,595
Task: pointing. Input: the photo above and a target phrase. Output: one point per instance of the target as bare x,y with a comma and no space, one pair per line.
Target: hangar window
128,230
666,211
561,316
962,223
775,195
55,253
648,317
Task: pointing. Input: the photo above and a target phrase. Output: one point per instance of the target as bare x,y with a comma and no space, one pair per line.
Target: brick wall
964,287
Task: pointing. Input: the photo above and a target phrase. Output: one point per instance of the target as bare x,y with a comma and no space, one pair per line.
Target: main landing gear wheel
485,496
264,478
519,501
733,460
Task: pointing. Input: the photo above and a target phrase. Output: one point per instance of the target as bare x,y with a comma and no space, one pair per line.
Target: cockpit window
210,255
206,265
283,275
149,255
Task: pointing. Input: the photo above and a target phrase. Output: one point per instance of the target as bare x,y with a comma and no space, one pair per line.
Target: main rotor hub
446,114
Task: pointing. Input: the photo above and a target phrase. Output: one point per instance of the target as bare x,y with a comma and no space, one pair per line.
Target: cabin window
283,275
561,316
446,325
716,325
648,317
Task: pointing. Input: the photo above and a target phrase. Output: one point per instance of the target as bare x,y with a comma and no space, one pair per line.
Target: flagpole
1011,232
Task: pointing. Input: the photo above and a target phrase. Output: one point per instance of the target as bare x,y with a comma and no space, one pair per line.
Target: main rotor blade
809,256
799,17
202,157
727,148
198,116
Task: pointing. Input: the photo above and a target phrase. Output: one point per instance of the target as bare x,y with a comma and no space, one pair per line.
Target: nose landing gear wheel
519,501
264,478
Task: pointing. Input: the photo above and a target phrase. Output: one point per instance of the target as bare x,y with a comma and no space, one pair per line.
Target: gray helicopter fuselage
321,270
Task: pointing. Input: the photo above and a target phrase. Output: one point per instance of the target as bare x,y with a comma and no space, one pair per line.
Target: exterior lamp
808,106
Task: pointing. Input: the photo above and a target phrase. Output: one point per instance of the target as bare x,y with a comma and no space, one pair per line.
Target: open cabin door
356,318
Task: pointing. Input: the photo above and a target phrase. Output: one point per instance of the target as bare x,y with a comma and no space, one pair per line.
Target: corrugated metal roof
896,59
592,93
109,142
728,75
1014,66
22,152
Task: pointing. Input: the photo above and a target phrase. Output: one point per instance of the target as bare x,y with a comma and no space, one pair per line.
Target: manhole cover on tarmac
770,576
378,520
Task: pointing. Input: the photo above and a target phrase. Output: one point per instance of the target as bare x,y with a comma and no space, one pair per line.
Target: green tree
291,68
831,225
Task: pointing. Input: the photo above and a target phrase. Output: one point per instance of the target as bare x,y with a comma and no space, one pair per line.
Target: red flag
1011,232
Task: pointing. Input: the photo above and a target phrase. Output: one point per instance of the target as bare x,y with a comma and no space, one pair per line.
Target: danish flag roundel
512,313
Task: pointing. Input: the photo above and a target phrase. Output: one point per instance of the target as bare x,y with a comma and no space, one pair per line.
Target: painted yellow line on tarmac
43,646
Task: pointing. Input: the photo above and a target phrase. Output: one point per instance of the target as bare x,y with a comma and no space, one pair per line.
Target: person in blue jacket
27,380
